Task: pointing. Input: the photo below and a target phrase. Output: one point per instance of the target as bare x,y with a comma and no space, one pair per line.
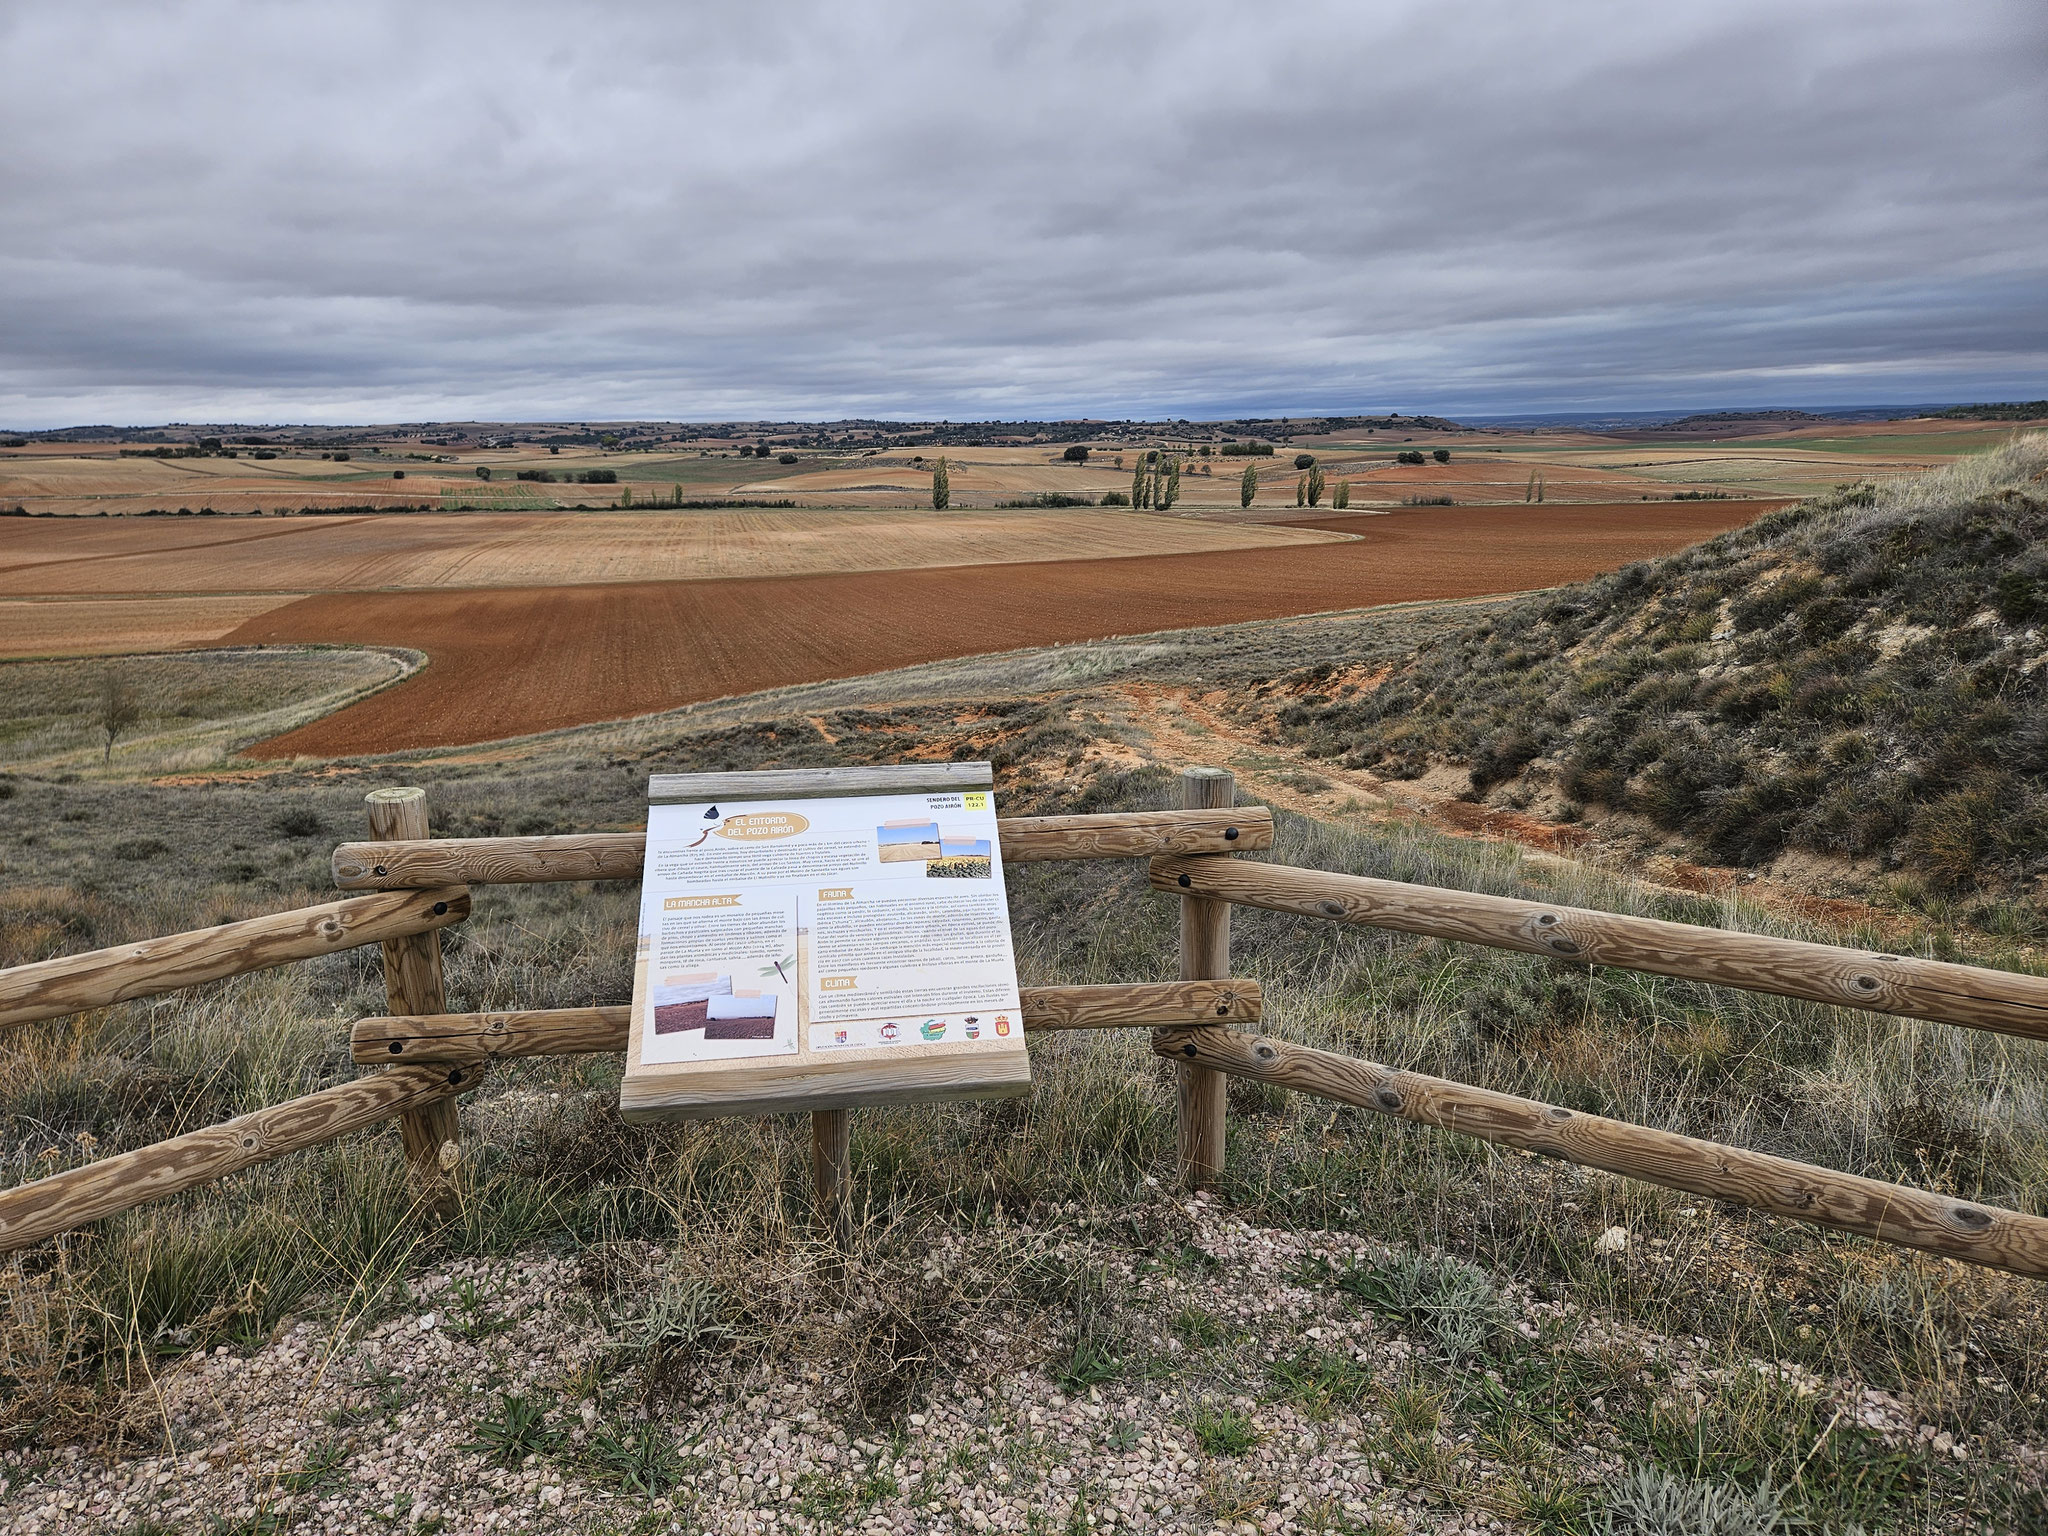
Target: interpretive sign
817,939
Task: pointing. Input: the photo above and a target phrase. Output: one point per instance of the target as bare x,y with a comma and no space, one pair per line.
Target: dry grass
192,709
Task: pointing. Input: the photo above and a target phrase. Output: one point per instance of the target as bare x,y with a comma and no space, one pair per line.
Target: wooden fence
415,885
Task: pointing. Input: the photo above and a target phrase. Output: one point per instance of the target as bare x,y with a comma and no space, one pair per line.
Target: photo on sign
722,977
899,842
963,854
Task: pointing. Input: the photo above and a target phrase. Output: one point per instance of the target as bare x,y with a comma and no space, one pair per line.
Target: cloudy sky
363,212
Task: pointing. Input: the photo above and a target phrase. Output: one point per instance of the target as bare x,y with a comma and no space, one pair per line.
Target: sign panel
845,943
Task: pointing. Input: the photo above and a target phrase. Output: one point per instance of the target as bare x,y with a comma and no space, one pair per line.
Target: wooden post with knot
1204,956
412,981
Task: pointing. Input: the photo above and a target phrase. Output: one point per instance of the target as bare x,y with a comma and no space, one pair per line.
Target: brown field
105,627
509,661
487,549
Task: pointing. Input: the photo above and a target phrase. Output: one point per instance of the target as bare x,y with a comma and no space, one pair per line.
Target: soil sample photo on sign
819,939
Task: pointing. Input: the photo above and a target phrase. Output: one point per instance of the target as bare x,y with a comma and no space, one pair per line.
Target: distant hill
2010,410
1863,675
1705,420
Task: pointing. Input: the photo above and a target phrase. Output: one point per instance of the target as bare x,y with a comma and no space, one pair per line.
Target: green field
176,710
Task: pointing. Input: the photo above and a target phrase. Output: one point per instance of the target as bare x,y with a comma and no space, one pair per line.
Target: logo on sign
887,1031
1002,1024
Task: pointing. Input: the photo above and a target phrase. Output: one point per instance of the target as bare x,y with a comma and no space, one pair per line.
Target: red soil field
508,660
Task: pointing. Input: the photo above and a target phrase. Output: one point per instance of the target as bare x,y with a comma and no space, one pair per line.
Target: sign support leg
832,1172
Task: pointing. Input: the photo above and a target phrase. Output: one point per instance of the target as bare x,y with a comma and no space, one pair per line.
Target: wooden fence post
412,981
1204,956
832,1173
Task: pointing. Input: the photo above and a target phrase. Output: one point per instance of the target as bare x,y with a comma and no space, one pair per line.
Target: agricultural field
1486,465
75,556
508,661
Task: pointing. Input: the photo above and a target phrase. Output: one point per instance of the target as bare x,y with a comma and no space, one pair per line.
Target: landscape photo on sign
915,837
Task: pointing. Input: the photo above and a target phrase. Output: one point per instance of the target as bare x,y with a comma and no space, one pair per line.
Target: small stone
1613,1240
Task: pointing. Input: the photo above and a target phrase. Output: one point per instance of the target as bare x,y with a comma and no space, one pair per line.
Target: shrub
302,821
1077,453
1246,450
1453,1304
1441,455
598,477
1114,499
398,474
1409,456
1304,460
785,458
544,477
483,471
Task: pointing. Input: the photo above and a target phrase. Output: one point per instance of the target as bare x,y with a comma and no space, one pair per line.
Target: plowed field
507,661
130,555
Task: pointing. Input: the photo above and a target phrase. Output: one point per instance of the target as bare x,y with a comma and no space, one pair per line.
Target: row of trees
1155,483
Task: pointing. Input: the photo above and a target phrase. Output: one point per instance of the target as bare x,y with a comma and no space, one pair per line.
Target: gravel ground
337,1427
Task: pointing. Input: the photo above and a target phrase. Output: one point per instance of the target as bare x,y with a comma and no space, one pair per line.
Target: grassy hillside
1861,675
1374,1328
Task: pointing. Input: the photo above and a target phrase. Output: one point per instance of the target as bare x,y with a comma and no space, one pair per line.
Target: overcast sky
361,212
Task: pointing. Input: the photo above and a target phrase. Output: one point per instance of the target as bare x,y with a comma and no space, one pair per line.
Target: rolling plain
694,574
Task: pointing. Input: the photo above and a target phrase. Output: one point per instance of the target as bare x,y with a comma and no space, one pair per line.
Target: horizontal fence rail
388,866
2008,1002
48,989
476,1037
31,1212
1892,1213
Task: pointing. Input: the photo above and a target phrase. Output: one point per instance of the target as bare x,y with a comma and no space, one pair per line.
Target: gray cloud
278,212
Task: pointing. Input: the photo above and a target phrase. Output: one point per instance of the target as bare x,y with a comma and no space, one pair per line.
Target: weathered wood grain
31,1212
48,989
1120,1005
1137,834
478,1037
412,984
832,1173
1892,1213
383,866
1204,954
817,783
2004,1001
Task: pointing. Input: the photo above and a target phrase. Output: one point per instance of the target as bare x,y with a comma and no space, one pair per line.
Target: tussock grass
1466,1238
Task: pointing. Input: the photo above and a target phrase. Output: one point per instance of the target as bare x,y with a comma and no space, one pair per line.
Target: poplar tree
1340,498
1170,492
1315,485
1138,483
1301,491
1247,485
942,486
